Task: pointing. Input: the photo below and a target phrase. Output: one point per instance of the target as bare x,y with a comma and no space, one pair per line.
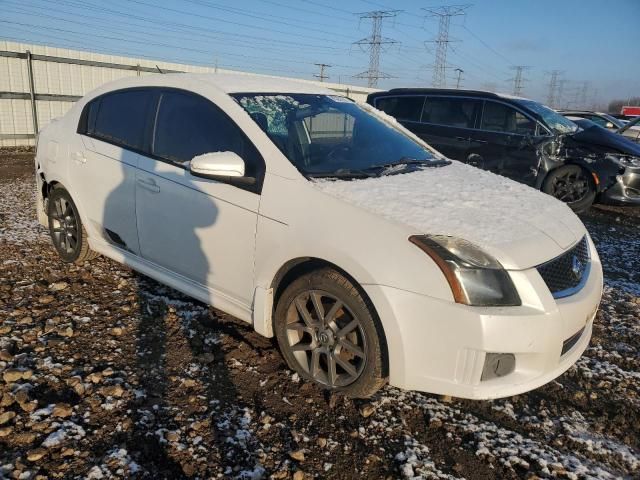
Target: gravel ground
105,373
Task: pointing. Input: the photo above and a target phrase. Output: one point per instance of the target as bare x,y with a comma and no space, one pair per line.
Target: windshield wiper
342,173
389,168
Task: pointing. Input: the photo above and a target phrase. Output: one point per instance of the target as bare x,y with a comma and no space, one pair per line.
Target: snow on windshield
274,107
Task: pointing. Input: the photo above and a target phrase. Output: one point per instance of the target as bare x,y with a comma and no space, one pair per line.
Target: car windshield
615,121
324,135
551,118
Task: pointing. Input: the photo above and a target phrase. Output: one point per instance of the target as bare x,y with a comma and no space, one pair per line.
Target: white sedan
368,255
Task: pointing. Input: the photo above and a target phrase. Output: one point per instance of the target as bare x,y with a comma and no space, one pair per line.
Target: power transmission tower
560,100
443,14
584,88
374,44
321,75
552,96
518,79
460,72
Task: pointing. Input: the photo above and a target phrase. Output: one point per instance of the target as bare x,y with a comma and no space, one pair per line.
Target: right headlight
475,277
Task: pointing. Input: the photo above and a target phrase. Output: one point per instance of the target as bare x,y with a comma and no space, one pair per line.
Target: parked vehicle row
520,139
368,254
631,131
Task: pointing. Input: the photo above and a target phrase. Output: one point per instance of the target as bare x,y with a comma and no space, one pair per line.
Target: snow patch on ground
18,225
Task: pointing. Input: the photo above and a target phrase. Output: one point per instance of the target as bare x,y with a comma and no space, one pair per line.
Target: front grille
565,275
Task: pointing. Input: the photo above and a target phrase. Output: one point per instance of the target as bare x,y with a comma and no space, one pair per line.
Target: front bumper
442,347
625,190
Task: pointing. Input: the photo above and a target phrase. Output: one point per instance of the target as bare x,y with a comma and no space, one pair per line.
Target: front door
505,142
201,229
447,124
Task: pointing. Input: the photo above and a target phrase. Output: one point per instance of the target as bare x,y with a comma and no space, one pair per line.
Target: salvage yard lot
106,373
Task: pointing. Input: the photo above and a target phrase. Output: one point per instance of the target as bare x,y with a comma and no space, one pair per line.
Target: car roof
217,83
447,91
581,112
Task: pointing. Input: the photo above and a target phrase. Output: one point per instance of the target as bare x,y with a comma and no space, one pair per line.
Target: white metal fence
39,83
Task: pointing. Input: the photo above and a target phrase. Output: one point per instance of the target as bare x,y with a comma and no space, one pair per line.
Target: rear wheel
328,334
573,185
66,230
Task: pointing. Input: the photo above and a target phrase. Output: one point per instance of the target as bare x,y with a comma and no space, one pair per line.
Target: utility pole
321,75
552,95
374,44
460,72
443,14
518,79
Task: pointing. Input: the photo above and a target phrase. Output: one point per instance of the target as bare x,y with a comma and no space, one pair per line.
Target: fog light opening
498,365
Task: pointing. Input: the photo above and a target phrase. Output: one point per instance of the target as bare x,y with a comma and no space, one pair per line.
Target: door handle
149,184
79,158
462,139
483,142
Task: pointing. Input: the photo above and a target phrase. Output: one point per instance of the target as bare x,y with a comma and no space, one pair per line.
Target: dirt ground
105,373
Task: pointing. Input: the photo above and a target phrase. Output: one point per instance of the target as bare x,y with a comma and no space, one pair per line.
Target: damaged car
324,223
520,139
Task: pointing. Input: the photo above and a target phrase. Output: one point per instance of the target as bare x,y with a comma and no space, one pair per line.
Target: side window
121,117
498,117
451,111
402,108
188,125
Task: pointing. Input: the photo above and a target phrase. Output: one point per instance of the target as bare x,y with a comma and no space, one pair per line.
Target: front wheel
328,334
66,230
572,185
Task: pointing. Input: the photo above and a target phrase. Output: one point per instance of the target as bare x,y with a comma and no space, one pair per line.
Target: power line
486,45
443,14
374,44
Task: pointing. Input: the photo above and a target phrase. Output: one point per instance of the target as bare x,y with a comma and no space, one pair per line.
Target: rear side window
451,111
189,125
402,108
121,118
498,117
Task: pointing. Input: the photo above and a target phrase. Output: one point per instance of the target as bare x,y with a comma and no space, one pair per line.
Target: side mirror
217,164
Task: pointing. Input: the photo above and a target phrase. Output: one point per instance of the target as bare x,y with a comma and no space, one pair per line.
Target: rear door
202,229
503,142
114,131
447,124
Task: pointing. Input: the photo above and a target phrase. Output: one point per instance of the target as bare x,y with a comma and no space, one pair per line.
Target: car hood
606,139
518,225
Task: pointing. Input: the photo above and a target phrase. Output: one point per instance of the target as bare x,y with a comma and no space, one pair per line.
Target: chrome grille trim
558,274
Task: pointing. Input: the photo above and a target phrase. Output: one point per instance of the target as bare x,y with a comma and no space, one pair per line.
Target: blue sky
588,40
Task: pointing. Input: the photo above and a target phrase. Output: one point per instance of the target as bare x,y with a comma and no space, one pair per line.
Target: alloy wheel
326,338
571,186
64,226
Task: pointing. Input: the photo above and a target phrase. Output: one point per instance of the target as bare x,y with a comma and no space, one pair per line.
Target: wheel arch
586,166
296,267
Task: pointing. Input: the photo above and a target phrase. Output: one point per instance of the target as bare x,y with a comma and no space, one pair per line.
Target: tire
68,235
573,185
344,352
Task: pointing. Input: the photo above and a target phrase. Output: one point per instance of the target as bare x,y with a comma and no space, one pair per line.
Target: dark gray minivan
520,139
